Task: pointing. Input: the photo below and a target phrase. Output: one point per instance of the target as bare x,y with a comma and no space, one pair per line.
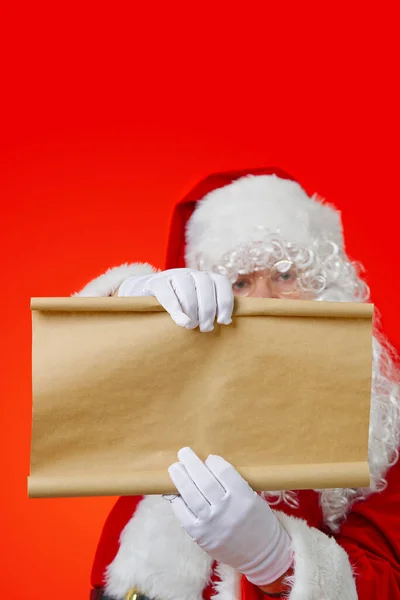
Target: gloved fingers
183,513
224,297
227,475
185,290
203,478
206,299
165,294
190,494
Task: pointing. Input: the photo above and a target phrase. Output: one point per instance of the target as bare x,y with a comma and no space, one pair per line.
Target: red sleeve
108,545
371,537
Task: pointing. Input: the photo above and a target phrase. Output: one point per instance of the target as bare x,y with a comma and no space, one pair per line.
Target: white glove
191,297
229,520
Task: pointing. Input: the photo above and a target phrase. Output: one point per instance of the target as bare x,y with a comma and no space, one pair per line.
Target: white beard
384,430
384,437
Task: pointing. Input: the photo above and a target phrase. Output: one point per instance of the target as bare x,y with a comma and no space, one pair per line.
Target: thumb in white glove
228,519
192,298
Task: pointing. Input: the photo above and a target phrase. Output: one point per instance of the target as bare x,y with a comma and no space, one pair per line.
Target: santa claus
255,234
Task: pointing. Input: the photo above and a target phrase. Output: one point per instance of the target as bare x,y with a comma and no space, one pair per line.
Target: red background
108,117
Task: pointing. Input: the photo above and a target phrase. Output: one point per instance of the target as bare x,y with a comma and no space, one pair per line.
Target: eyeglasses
282,277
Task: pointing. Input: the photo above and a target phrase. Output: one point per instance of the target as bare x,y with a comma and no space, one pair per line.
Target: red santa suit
346,543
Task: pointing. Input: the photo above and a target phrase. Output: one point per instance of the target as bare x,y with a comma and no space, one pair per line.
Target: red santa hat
226,210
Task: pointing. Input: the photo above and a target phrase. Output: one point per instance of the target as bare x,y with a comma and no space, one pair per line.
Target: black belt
99,594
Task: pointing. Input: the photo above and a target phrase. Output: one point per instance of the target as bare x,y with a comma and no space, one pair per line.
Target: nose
262,289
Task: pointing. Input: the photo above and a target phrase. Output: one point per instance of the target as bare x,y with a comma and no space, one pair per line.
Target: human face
280,281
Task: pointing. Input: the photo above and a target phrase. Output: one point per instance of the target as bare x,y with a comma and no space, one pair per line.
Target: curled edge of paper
278,477
243,306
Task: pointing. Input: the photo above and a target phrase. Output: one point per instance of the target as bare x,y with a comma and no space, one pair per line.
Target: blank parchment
283,393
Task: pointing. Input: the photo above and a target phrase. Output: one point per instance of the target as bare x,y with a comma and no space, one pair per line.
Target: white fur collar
158,557
228,588
162,561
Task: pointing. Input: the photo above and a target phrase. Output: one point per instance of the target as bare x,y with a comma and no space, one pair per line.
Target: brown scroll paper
283,393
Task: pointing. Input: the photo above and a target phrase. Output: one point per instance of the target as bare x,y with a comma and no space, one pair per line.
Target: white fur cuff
158,557
322,568
106,284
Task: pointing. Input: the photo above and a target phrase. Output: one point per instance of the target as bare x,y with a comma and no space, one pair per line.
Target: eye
289,276
241,284
284,272
284,276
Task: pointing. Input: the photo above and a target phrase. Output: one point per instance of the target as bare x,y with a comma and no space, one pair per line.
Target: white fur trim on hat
233,215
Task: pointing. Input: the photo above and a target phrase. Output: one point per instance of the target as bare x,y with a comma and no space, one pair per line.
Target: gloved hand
191,297
227,519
